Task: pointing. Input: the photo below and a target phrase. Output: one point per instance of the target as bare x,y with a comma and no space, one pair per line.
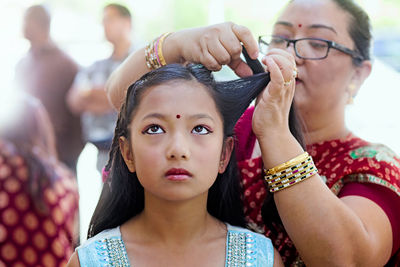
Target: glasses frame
354,54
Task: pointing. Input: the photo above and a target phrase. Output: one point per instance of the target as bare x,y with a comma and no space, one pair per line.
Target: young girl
172,196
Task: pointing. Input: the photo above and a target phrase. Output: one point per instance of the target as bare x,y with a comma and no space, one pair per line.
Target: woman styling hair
347,214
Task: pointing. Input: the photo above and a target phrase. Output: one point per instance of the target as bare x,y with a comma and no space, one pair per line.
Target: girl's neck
174,223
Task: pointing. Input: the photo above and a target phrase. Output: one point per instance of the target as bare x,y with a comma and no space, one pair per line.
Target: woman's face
176,141
322,86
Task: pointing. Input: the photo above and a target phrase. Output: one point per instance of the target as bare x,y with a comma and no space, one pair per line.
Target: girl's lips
177,174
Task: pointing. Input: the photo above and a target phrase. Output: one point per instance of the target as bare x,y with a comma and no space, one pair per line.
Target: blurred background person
87,95
38,194
47,73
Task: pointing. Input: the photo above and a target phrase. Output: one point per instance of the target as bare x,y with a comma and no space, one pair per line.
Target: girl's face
323,85
176,141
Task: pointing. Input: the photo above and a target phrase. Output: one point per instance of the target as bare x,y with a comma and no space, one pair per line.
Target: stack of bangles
153,53
290,173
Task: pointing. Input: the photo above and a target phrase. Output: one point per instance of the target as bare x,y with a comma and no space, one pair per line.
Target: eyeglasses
305,48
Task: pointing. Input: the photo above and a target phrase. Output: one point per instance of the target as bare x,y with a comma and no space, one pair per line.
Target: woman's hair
32,135
359,28
122,196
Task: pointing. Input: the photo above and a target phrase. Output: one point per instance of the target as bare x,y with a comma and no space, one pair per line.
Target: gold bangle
292,175
300,158
289,174
159,49
153,53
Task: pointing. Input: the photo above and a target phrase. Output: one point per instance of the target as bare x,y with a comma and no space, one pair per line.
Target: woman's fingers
219,52
240,68
217,45
285,63
244,35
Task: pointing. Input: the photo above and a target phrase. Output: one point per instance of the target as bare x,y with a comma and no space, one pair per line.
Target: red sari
29,237
342,164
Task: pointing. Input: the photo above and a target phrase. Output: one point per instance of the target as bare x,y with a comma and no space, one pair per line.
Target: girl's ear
126,151
226,154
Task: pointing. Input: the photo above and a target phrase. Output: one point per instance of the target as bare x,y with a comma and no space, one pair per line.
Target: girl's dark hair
122,196
32,136
359,28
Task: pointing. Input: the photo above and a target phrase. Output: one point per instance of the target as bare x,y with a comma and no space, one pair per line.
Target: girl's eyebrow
312,26
154,115
201,116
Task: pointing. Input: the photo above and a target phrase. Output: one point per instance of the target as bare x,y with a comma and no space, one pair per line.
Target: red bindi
300,25
178,116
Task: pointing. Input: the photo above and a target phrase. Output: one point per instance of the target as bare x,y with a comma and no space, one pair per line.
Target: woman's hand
212,46
271,113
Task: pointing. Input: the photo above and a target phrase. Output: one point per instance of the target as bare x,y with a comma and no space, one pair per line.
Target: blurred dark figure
47,73
88,97
38,194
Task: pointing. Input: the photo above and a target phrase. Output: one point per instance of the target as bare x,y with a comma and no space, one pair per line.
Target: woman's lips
177,174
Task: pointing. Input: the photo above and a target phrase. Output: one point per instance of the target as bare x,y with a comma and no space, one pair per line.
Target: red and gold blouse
29,237
350,166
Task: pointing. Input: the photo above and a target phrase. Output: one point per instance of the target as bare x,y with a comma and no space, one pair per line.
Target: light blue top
244,248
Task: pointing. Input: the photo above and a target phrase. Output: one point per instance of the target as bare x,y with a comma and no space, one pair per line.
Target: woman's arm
212,46
326,230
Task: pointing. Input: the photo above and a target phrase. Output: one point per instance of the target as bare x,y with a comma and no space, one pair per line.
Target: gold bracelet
292,175
153,53
150,56
159,49
300,158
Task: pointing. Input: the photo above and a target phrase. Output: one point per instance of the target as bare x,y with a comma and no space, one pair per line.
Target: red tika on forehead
178,116
300,25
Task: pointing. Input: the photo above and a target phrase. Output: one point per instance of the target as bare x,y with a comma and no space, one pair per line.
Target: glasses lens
312,48
267,42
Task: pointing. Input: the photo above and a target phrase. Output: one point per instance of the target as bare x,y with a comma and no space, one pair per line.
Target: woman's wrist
171,49
276,149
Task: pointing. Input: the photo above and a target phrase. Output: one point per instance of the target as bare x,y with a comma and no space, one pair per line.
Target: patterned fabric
105,249
27,237
244,248
338,162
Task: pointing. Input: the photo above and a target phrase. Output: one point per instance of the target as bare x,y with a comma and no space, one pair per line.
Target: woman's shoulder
12,164
378,151
246,246
245,138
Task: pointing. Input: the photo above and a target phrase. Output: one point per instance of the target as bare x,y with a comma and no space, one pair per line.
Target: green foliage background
156,16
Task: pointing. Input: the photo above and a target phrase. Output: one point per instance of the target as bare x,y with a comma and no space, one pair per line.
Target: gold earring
351,89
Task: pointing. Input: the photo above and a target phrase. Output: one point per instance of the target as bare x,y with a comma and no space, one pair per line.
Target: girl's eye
154,129
199,129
